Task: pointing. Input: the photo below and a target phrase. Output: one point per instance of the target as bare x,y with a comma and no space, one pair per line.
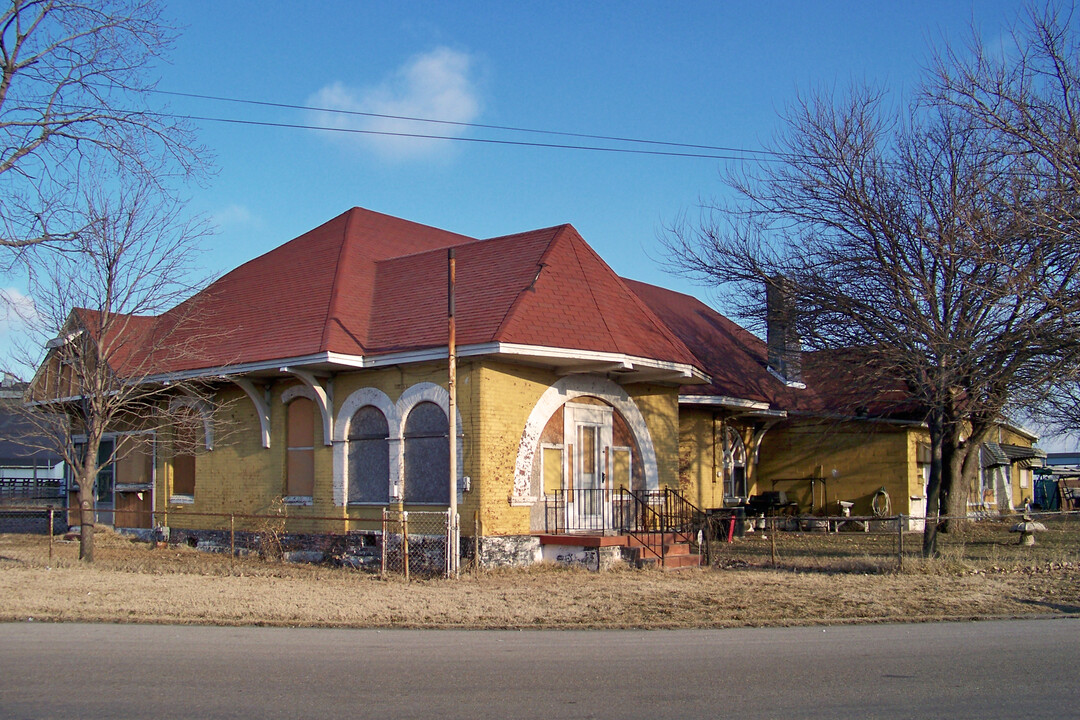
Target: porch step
675,555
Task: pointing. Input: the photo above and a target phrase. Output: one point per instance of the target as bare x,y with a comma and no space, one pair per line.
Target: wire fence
410,543
424,544
417,543
875,544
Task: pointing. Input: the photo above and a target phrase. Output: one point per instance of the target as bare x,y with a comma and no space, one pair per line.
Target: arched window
427,455
734,464
369,457
300,448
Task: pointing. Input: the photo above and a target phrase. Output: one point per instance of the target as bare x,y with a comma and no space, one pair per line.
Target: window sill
181,499
298,501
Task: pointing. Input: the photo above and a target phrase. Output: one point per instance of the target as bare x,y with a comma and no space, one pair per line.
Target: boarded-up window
134,463
300,448
67,380
552,460
369,457
106,477
622,463
185,443
427,455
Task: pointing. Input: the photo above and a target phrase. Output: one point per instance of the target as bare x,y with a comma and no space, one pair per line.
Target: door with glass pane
588,428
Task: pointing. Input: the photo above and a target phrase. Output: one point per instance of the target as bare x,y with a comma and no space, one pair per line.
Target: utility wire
490,141
507,128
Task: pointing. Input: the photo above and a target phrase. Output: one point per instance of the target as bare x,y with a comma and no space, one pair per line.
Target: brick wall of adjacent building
801,455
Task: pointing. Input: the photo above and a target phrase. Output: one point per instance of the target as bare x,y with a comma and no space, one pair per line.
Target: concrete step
673,556
654,539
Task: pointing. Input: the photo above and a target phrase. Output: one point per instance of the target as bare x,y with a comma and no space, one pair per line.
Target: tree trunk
954,454
933,486
86,522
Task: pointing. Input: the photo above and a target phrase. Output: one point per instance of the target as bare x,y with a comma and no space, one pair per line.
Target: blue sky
708,73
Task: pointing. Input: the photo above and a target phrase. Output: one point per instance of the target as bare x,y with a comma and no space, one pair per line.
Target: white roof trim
722,400
688,373
789,383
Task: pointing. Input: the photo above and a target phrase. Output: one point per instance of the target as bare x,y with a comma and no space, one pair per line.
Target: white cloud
17,311
438,85
233,215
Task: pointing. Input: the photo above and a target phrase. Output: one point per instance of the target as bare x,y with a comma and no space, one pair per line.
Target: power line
482,126
490,141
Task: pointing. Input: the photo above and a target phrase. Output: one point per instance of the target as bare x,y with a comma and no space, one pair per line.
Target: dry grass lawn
816,583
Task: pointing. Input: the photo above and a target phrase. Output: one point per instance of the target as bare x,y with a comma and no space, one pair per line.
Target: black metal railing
592,510
651,517
20,489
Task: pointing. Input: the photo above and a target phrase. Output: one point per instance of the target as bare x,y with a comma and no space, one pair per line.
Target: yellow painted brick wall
701,454
696,465
1005,435
237,476
866,456
659,405
506,396
494,400
240,476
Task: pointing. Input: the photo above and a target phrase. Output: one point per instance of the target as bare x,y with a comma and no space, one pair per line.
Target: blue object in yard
1046,493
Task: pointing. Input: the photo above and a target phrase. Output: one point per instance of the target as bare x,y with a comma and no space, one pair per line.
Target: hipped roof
367,284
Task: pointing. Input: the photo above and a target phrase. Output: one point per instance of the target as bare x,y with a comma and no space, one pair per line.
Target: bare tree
1026,92
923,238
75,94
110,308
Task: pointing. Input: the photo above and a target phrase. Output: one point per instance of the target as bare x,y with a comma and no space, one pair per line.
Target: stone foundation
504,550
361,550
591,558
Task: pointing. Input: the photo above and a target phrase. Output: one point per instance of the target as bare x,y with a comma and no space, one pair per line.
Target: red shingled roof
370,284
734,358
836,382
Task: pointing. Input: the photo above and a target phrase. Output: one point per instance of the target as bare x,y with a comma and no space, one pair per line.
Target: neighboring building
30,472
329,355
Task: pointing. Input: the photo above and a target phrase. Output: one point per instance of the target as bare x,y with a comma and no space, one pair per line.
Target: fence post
449,541
382,559
405,541
232,535
900,540
772,540
51,511
476,537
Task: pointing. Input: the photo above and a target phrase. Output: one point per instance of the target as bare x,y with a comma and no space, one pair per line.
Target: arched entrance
584,440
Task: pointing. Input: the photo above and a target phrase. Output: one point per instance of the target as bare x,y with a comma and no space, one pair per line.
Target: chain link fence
876,544
418,543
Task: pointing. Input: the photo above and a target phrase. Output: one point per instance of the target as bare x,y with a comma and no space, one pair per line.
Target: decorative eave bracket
324,399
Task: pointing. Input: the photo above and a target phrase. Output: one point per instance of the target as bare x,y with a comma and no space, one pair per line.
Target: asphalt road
1006,669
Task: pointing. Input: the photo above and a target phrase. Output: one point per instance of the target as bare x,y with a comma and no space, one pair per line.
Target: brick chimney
785,350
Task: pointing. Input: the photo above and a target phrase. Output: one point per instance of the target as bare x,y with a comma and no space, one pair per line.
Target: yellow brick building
583,402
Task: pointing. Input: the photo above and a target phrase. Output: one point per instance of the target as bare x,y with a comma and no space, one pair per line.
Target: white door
588,431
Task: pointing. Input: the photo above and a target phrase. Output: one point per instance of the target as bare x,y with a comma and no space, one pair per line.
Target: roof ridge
653,318
664,327
335,291
550,228
589,285
519,298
